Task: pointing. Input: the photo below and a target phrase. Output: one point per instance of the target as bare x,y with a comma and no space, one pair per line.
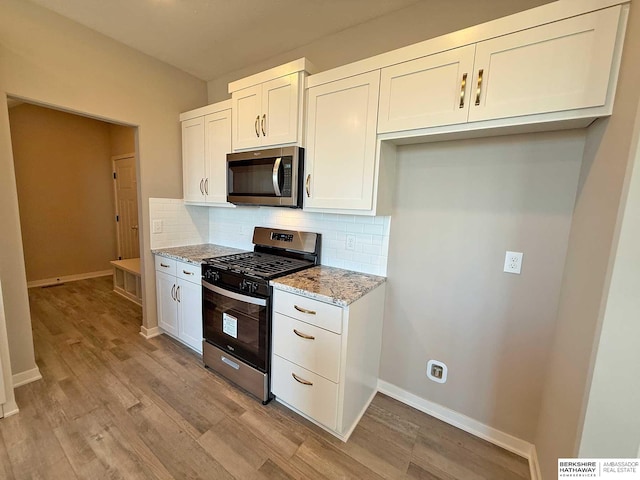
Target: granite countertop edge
195,254
331,285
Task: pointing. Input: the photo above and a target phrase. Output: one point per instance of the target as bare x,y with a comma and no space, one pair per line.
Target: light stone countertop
329,284
195,254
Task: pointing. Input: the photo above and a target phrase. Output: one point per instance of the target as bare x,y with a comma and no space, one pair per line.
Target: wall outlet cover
513,262
351,242
436,371
157,226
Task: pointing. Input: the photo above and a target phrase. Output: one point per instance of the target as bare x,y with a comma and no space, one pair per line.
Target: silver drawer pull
303,335
187,273
301,380
231,363
165,266
304,310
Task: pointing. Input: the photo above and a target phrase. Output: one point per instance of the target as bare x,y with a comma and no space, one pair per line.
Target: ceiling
210,38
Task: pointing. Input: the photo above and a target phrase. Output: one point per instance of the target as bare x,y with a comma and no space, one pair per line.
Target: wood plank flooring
114,405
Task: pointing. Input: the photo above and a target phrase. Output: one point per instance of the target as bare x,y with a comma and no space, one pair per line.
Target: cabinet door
193,159
560,66
247,113
190,314
217,144
341,143
279,120
426,92
167,308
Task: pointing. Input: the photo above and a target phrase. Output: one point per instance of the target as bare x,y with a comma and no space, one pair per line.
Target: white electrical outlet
436,371
513,262
351,242
157,226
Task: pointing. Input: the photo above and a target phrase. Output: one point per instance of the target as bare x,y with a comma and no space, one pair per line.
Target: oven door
237,324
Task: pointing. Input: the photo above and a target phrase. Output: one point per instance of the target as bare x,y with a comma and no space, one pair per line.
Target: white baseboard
25,377
45,282
150,332
469,425
8,409
534,465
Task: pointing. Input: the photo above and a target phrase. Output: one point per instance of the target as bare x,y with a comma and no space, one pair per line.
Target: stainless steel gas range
236,304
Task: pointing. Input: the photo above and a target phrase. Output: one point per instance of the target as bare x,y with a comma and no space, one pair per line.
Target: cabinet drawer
308,310
313,348
190,273
166,265
318,399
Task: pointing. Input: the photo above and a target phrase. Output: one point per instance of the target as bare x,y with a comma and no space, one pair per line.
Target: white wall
612,421
50,60
459,207
233,227
181,224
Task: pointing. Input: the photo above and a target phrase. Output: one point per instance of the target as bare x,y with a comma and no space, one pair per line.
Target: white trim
206,110
534,465
25,377
469,425
150,332
9,408
299,65
348,433
68,278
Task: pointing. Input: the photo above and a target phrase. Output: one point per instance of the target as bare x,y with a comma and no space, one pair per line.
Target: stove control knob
212,276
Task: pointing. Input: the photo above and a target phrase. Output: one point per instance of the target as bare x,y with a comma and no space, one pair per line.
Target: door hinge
115,175
117,218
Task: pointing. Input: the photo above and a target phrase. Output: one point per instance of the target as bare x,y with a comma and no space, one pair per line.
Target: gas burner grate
260,264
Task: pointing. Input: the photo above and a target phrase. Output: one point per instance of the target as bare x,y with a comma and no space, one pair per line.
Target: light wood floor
113,405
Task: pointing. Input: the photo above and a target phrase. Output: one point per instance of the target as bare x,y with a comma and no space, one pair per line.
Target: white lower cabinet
326,358
179,300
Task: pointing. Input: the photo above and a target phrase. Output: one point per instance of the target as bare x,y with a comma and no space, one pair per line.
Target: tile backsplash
181,224
233,227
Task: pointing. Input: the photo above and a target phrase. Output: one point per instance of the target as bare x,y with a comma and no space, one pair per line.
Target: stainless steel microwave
266,177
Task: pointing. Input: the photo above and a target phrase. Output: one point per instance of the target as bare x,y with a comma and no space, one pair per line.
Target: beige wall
459,207
51,60
612,422
123,139
65,192
585,283
420,21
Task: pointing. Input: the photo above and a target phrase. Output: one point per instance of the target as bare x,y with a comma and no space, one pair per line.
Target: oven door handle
274,177
236,296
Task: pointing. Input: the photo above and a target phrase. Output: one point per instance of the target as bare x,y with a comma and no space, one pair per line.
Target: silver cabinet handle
201,189
255,125
231,363
178,294
206,186
163,265
301,380
263,124
304,310
463,89
303,335
173,292
274,176
479,90
187,273
306,185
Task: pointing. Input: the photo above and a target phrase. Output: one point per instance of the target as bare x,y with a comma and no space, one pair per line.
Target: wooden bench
126,279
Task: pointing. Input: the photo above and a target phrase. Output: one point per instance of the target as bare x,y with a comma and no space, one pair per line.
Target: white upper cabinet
267,107
341,143
193,160
206,140
428,91
564,65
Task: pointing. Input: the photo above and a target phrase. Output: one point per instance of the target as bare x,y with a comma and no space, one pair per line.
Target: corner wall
586,277
51,60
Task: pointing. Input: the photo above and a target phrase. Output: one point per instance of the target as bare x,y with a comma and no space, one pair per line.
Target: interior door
126,188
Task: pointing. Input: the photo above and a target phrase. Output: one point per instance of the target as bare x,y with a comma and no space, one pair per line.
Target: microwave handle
276,169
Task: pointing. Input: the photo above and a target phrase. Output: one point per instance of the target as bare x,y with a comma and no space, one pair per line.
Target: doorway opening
71,204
